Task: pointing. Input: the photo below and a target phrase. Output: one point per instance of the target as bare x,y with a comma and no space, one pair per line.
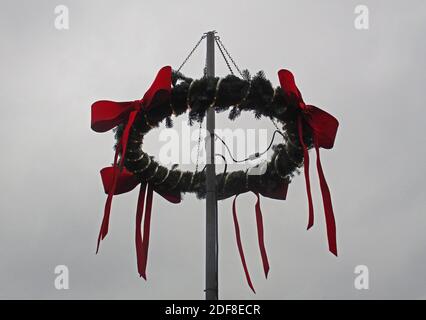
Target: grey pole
212,291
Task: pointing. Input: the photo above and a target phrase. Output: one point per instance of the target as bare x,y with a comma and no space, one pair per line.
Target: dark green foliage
169,122
201,96
246,75
231,92
234,113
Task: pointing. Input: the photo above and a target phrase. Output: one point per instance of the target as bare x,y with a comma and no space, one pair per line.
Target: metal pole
212,291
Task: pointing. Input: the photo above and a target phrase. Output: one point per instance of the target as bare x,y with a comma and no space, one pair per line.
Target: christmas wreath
172,94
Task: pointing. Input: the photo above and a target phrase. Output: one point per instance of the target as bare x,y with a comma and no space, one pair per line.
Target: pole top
210,32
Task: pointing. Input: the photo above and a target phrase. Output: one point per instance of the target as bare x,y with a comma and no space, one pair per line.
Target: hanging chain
223,51
226,51
190,53
223,55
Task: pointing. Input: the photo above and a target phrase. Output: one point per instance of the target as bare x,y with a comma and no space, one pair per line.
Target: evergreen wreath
254,94
303,127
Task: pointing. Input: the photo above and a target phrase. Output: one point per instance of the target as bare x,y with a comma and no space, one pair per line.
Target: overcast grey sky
51,198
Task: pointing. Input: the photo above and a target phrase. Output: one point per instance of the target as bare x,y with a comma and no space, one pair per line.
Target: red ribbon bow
123,181
280,194
105,116
324,128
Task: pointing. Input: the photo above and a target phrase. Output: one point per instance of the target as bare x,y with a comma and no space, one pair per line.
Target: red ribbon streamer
108,114
138,232
328,207
306,171
107,210
142,244
260,237
324,129
126,133
240,246
118,182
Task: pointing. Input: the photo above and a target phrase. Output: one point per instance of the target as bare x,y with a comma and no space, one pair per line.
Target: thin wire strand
257,154
217,155
226,166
